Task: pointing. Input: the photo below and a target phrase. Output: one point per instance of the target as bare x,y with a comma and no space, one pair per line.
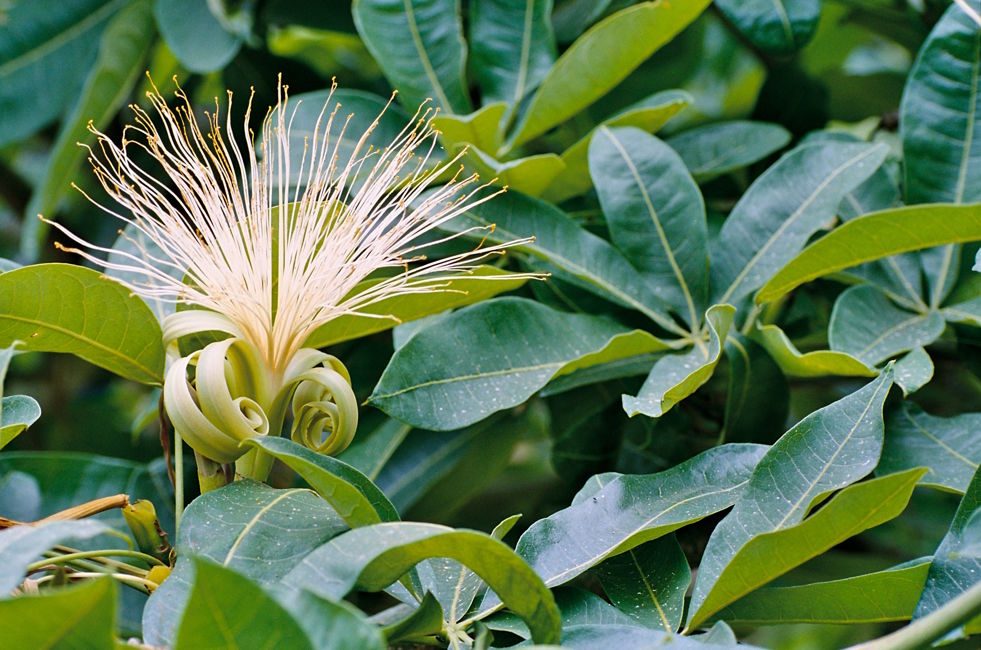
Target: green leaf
66,308
81,617
655,214
613,516
122,51
878,597
777,26
949,448
21,545
457,293
424,621
649,114
717,149
370,451
676,376
513,348
648,583
530,175
873,236
373,557
968,311
250,527
600,59
17,412
349,492
481,128
512,47
227,610
827,450
419,45
331,625
791,201
869,327
759,398
914,370
195,34
45,52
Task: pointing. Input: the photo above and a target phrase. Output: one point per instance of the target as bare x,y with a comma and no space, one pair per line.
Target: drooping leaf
350,493
882,596
874,236
226,609
778,26
648,583
791,201
122,50
419,45
829,449
914,370
513,348
66,308
649,114
676,376
600,59
590,260
56,44
869,327
512,47
948,447
420,625
373,557
195,34
250,527
621,512
655,214
758,399
717,149
79,617
21,545
402,309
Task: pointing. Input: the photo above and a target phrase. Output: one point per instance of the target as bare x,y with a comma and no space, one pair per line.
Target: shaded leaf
914,370
17,412
21,545
716,149
759,398
195,34
778,26
331,625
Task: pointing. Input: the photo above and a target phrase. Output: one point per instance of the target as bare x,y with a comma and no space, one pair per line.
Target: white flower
216,216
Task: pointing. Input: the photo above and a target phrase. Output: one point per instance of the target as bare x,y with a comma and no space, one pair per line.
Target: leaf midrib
427,65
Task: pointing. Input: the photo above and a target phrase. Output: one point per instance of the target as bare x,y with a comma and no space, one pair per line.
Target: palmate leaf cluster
755,355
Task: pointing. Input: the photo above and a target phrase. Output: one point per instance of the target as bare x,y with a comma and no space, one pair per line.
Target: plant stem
178,478
921,632
83,555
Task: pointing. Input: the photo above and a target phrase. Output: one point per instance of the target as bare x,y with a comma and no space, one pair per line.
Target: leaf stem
922,631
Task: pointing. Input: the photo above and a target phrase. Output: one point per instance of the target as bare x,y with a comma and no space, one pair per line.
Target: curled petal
325,410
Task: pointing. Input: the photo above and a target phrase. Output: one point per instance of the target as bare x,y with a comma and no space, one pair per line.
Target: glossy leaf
655,214
66,308
252,528
350,493
122,50
769,555
419,45
827,450
402,309
79,617
649,114
632,509
595,264
758,399
777,26
676,376
226,609
914,370
889,595
21,545
56,44
791,201
512,47
600,59
195,34
373,557
869,327
514,347
874,236
948,447
717,149
648,583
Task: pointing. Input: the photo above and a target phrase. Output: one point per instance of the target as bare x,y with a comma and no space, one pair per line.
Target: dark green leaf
66,308
331,625
791,201
717,149
419,45
425,621
195,35
371,450
914,370
81,617
778,26
655,214
758,400
227,610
